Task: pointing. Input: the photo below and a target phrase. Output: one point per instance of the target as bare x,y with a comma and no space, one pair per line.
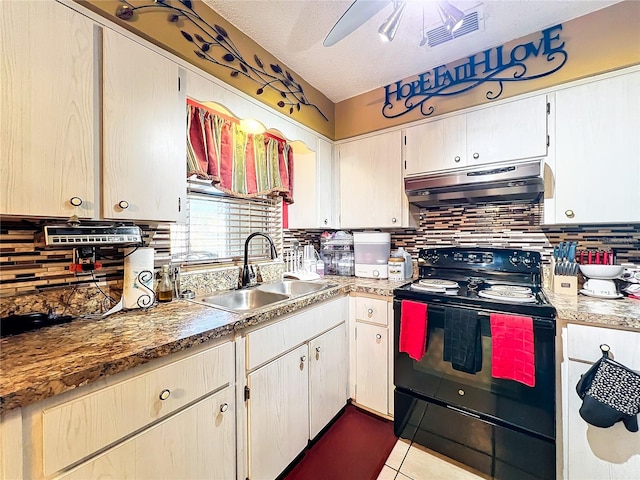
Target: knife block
563,284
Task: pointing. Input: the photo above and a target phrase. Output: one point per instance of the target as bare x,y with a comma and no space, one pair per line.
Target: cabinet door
598,151
371,189
434,146
328,372
144,133
199,442
278,414
372,366
511,131
47,100
326,186
303,212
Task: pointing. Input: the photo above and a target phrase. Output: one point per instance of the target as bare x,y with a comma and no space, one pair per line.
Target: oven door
503,402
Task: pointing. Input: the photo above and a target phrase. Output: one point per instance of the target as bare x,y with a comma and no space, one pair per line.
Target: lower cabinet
198,442
293,396
594,453
372,365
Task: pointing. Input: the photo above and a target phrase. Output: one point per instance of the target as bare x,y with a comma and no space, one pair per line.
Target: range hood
503,183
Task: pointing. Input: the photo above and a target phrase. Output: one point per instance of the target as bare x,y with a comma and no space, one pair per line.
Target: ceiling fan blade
358,13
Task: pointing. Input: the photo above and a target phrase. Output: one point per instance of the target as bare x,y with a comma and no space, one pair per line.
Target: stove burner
508,296
509,288
438,283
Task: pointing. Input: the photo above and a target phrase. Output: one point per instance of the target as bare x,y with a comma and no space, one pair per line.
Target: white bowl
601,271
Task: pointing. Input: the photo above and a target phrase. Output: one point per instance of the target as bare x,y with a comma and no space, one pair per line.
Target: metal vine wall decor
211,40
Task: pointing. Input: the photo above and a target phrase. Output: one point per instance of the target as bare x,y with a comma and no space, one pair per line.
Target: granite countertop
37,365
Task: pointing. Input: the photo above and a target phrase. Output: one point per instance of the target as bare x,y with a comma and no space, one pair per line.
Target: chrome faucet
245,268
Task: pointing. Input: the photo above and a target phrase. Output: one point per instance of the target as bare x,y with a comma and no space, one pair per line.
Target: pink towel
413,328
513,354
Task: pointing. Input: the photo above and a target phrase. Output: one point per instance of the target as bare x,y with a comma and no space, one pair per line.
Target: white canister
396,268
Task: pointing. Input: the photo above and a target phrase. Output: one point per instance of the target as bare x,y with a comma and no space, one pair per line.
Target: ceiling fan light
387,30
452,18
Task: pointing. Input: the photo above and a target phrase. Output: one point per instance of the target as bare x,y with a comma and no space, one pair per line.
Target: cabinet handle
378,336
303,358
224,407
476,155
456,159
123,204
75,201
317,353
393,220
164,394
570,213
370,312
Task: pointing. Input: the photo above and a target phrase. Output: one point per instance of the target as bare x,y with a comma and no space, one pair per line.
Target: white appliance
371,251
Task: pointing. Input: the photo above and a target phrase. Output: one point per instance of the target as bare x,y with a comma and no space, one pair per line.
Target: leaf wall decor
213,44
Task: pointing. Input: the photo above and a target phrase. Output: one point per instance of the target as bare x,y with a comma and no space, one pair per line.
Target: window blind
218,225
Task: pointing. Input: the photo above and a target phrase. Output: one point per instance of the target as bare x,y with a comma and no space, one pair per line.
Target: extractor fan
362,10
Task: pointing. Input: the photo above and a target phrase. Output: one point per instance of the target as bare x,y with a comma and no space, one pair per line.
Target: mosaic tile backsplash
35,279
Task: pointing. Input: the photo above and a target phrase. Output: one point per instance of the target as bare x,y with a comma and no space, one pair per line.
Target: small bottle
165,287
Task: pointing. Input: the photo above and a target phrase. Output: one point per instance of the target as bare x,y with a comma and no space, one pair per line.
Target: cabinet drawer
372,310
78,428
275,339
583,344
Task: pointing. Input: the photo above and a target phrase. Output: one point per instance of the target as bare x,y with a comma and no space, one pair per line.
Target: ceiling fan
362,10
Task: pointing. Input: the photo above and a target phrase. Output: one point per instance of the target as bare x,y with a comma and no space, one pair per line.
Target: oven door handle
537,321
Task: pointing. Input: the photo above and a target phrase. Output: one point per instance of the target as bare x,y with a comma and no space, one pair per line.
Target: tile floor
411,461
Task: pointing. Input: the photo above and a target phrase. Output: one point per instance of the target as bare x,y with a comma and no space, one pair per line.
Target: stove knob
514,259
528,261
435,258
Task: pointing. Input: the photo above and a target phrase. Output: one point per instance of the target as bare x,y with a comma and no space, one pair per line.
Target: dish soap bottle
165,288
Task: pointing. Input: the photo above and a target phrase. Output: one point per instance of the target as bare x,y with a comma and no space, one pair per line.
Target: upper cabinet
144,118
597,151
313,188
371,188
509,131
48,105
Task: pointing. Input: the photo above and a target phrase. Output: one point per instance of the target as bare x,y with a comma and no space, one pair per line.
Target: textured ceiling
293,31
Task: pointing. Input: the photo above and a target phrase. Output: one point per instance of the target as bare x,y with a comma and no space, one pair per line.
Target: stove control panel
496,259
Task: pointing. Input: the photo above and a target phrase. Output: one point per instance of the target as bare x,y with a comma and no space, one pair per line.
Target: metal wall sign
494,66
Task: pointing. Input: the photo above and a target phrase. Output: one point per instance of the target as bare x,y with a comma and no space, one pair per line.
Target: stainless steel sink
244,300
293,288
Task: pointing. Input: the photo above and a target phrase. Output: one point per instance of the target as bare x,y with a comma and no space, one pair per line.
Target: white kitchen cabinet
49,110
144,125
278,413
371,189
597,151
198,442
328,377
296,371
593,453
313,188
373,369
512,130
11,444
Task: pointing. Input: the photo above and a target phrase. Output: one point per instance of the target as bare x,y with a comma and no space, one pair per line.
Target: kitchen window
218,225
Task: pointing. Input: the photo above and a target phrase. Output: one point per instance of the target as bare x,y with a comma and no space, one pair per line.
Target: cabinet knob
476,155
75,201
123,204
326,221
224,407
303,358
318,349
370,312
378,336
457,159
393,220
569,213
164,394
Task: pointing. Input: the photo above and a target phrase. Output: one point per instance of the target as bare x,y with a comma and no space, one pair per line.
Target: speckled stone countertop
53,360
621,313
36,365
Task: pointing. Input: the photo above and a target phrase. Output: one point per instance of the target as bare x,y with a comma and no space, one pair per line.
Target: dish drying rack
301,264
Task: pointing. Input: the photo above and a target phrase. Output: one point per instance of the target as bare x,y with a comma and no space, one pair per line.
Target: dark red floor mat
355,447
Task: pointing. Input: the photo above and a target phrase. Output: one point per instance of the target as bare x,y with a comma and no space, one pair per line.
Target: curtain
238,163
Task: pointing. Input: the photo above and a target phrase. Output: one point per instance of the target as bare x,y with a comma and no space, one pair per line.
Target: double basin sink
248,299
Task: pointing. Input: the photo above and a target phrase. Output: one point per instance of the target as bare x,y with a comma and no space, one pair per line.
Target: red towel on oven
413,328
513,356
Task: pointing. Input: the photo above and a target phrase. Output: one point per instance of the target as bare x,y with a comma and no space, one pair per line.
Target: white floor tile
402,476
421,463
398,453
387,473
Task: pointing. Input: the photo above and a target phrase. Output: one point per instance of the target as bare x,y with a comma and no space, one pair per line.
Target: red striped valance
238,163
